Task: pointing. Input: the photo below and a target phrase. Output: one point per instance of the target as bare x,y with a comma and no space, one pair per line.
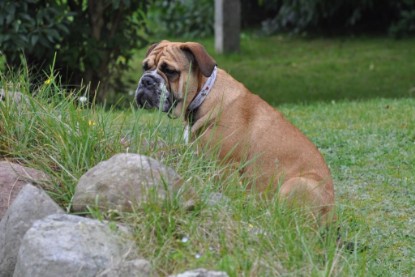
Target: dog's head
173,74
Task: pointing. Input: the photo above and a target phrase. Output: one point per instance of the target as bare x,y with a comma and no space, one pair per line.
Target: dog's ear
205,62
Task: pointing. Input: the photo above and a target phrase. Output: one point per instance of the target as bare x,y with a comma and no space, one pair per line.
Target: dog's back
277,155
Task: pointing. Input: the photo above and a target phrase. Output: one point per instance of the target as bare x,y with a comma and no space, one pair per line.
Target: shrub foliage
327,16
186,18
92,40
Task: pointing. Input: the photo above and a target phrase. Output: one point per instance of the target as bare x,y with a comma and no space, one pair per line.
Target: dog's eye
170,72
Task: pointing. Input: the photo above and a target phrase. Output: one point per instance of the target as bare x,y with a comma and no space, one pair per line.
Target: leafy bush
298,16
405,26
185,18
32,28
92,40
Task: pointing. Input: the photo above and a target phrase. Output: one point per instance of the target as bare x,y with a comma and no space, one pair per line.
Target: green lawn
370,147
292,70
362,118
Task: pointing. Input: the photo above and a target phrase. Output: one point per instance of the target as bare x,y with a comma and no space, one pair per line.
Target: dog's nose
148,81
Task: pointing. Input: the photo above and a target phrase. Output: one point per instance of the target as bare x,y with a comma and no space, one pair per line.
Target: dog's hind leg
308,195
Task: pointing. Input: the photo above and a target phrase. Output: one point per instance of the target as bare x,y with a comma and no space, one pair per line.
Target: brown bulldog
223,115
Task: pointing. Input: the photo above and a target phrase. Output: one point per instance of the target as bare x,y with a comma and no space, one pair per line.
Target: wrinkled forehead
169,53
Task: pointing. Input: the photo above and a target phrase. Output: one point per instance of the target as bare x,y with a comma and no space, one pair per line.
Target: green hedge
88,44
341,16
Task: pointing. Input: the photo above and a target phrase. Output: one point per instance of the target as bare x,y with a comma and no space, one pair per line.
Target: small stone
201,272
16,98
134,268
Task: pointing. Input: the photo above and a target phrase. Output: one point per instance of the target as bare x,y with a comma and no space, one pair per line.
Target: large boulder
12,178
68,245
30,205
122,182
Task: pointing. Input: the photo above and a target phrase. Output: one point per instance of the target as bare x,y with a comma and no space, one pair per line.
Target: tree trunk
227,25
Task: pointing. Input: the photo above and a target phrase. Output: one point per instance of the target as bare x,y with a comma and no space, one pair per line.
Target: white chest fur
186,134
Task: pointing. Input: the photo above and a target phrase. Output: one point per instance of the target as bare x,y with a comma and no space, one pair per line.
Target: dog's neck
200,97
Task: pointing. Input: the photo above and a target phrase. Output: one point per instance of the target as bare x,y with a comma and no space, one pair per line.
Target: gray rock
201,272
217,199
16,98
68,245
12,178
30,205
123,181
134,268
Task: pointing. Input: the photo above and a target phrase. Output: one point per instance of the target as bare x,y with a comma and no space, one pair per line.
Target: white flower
185,239
82,99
